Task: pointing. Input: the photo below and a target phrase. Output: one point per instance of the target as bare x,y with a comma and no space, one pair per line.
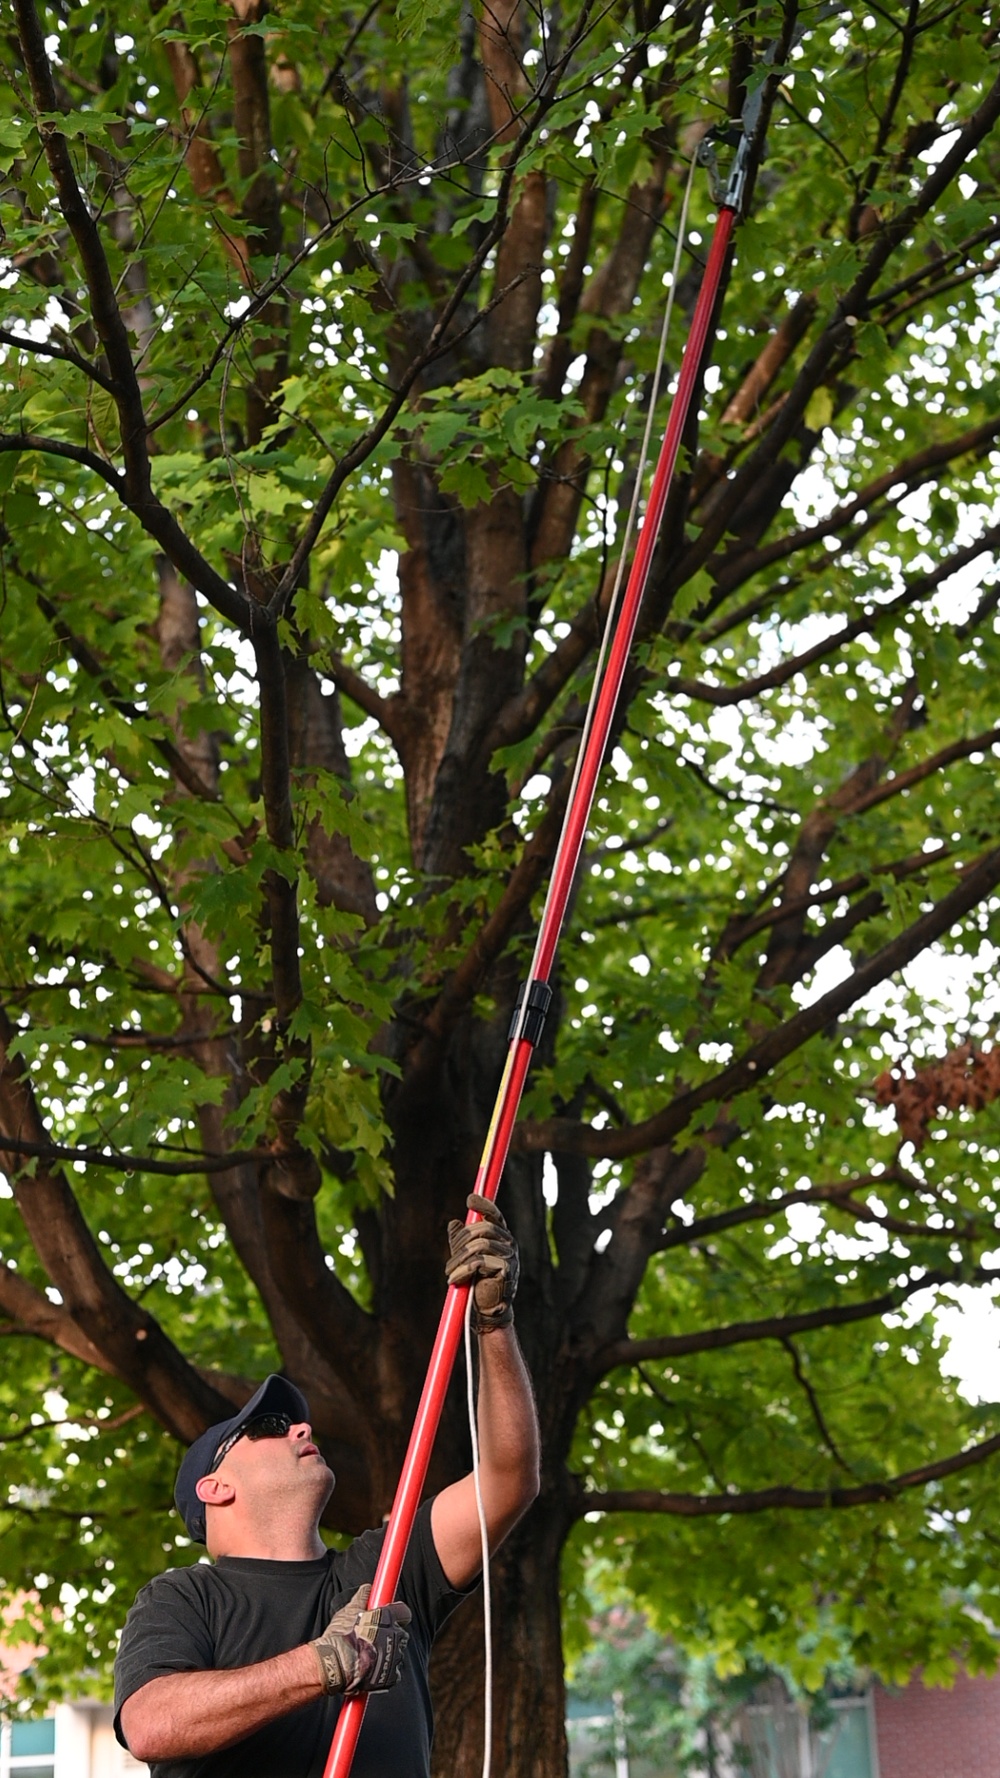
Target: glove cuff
333,1676
501,1316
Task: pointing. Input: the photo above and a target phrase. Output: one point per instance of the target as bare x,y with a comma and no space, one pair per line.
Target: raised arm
506,1418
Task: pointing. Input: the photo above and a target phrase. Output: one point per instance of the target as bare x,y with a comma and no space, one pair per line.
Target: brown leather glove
484,1254
360,1650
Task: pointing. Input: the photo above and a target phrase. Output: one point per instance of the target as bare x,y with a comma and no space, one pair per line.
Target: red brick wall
926,1732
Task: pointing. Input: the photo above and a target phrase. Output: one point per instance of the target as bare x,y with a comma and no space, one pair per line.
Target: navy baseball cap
276,1395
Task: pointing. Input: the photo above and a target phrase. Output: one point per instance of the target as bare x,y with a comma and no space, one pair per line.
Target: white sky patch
813,495
725,725
947,983
778,640
794,744
830,971
950,986
83,786
937,150
970,1336
957,597
358,738
385,577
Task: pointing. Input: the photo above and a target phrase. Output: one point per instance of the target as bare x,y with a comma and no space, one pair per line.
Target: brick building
923,1732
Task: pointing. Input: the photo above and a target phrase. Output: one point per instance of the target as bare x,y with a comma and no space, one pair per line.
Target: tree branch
296,1170
33,1313
133,1343
819,1419
697,1506
867,623
934,267
910,33
155,520
925,768
65,354
911,473
118,1161
776,1327
201,155
107,315
171,754
753,1066
835,336
356,687
61,447
522,713
837,1197
545,99
493,935
740,931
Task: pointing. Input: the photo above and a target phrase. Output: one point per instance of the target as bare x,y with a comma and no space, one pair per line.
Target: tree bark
529,1706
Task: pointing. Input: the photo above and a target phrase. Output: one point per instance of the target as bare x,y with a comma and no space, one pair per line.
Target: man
236,1669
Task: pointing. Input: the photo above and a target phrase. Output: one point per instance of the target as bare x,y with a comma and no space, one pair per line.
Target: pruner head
728,179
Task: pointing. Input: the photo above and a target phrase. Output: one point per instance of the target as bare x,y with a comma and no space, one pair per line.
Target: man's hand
361,1650
485,1255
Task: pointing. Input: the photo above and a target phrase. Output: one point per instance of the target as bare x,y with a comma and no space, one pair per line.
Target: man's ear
214,1490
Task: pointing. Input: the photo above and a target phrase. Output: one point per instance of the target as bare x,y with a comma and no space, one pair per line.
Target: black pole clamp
539,1001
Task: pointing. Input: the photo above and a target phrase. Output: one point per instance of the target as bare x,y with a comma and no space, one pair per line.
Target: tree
287,297
629,1687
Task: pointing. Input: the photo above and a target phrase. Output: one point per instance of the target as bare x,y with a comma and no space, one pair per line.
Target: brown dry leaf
965,1079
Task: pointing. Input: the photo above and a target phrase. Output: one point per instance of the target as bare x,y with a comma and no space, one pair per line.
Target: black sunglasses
261,1426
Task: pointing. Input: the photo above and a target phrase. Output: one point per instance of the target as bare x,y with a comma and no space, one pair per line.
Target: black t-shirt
239,1610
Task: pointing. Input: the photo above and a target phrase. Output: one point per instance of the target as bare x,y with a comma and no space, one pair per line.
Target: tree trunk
529,1727
438,1136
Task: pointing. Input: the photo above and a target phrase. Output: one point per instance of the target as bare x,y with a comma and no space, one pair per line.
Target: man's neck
271,1543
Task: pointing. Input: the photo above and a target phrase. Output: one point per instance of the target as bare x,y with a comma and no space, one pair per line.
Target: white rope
470,1396
630,525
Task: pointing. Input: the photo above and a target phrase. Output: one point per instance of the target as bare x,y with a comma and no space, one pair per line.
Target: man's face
290,1472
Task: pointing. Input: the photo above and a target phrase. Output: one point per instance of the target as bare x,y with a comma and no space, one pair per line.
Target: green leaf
819,409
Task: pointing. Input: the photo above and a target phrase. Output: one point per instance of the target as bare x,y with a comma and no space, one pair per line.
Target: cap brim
276,1395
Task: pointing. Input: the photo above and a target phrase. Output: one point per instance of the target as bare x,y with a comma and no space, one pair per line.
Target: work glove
361,1650
484,1254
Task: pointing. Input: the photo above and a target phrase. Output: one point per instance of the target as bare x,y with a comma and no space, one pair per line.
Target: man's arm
508,1461
182,1715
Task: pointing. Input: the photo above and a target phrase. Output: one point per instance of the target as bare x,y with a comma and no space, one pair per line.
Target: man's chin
323,1482
314,1464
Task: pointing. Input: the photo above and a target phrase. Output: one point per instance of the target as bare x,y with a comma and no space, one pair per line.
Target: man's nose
301,1431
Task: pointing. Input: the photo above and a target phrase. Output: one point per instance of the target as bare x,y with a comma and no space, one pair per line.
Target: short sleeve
423,1584
427,1588
166,1631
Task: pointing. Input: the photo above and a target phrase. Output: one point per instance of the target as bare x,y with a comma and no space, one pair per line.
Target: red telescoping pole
425,1425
